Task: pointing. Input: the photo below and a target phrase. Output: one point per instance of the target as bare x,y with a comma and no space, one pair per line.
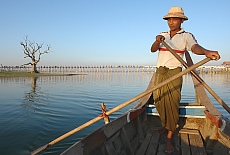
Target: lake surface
35,111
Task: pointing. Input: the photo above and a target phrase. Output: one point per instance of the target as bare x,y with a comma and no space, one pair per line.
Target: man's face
175,23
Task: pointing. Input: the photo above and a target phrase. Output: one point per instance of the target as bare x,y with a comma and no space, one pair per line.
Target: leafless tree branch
30,50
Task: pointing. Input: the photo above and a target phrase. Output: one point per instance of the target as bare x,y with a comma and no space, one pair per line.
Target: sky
106,32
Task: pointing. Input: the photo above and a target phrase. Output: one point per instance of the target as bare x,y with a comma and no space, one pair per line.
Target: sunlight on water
35,111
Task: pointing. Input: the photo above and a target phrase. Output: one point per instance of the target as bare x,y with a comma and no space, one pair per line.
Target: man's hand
214,55
160,38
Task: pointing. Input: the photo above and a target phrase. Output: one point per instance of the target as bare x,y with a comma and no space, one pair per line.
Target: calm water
35,111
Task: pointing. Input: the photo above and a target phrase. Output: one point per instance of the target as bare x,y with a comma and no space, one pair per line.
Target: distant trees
33,51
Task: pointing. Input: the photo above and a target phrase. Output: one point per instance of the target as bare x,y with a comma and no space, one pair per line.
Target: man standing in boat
167,98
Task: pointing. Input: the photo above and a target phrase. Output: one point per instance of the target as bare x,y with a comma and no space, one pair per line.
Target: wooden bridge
86,69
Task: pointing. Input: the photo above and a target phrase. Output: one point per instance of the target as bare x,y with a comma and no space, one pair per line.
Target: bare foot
169,148
161,131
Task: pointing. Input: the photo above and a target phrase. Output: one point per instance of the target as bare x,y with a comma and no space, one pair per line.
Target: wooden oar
122,105
198,77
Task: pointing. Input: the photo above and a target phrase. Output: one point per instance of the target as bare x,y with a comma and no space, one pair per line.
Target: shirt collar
181,31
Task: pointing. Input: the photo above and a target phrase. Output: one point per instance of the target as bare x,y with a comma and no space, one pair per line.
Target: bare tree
30,50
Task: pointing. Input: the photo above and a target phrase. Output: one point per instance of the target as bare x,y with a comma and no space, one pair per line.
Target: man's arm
156,44
199,50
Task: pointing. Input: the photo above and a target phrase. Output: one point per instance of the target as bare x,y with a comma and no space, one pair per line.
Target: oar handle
226,107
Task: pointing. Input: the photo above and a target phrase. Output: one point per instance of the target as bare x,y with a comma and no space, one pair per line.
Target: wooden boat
202,130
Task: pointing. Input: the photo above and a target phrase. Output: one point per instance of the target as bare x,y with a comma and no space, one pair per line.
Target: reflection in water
33,83
34,97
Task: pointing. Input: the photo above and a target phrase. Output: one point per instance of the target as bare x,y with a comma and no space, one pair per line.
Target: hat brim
174,16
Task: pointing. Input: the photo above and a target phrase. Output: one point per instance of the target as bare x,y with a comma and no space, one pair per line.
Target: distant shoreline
27,74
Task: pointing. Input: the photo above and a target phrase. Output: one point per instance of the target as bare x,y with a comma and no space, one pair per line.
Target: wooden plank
135,143
139,129
114,137
103,150
110,150
118,145
185,149
114,126
153,144
131,130
116,141
200,145
176,140
89,144
161,144
145,143
195,140
204,99
193,144
126,142
189,131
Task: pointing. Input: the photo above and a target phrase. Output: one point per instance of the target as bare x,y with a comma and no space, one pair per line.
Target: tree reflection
34,98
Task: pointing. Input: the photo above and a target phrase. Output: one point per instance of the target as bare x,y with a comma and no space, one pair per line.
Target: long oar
198,78
121,105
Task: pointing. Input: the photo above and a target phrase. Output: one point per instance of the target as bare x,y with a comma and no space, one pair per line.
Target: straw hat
175,11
